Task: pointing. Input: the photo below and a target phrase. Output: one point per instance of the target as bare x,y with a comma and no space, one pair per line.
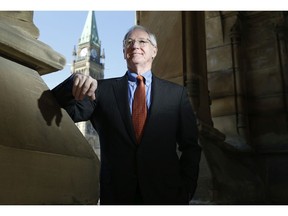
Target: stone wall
241,69
247,76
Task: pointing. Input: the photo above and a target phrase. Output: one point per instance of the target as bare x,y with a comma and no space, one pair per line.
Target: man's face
139,52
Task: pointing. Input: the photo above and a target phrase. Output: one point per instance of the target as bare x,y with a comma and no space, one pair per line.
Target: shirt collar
147,75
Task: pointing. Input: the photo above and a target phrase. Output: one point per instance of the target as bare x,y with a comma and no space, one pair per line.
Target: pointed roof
90,32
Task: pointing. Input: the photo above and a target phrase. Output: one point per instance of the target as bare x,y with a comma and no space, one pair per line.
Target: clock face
94,53
84,52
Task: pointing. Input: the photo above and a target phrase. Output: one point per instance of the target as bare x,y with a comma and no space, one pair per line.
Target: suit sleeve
77,110
188,144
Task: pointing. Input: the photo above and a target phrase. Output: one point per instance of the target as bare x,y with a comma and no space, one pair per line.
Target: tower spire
90,31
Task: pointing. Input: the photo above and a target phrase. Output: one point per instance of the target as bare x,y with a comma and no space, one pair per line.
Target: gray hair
152,37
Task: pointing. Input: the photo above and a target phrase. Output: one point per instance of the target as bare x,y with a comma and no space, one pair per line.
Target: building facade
234,66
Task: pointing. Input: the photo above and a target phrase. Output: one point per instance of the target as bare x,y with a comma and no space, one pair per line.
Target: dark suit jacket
153,166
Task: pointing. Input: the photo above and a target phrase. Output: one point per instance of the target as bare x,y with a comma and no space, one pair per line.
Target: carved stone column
194,63
239,81
44,159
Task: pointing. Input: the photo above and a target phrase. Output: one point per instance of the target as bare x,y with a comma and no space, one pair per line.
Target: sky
61,30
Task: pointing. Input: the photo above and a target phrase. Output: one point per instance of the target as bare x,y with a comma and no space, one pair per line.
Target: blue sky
62,29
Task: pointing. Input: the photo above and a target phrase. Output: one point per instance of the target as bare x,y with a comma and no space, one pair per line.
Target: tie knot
140,79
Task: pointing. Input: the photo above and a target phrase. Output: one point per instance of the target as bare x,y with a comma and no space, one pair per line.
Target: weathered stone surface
40,145
223,106
211,14
262,56
226,124
23,20
17,45
35,177
44,159
267,104
265,82
233,182
219,59
216,87
214,32
272,122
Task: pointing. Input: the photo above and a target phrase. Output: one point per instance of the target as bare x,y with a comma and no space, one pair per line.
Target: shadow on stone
49,108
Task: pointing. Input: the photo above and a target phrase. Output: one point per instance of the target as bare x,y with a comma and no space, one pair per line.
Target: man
138,166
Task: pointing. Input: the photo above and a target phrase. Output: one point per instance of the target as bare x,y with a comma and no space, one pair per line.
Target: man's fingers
75,85
79,81
84,85
88,88
91,91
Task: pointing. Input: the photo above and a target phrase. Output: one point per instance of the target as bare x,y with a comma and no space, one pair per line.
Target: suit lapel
121,94
155,97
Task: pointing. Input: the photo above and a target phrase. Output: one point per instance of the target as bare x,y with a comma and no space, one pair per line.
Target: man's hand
84,85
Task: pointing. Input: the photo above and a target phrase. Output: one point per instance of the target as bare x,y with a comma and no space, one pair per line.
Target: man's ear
155,51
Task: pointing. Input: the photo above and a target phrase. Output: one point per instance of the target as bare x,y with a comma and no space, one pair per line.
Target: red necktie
139,108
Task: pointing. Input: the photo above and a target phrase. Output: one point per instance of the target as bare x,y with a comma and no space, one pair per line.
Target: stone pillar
239,82
194,63
282,45
44,159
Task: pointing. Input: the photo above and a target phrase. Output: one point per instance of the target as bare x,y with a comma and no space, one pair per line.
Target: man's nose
135,44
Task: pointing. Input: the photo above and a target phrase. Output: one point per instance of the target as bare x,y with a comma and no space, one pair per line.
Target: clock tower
89,60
